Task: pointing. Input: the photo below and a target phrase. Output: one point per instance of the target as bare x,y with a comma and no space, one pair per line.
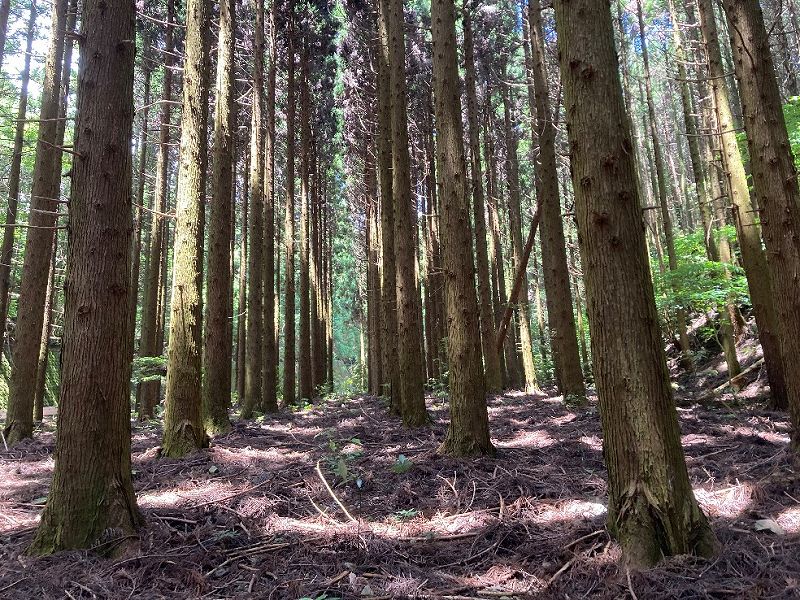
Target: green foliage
791,114
402,464
698,284
148,368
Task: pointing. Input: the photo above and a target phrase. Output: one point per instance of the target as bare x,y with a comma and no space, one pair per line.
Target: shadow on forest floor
251,517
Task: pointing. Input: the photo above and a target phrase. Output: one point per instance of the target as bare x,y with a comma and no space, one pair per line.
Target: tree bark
651,510
468,433
91,501
217,349
561,320
409,330
491,356
774,182
183,425
45,194
255,326
762,293
7,250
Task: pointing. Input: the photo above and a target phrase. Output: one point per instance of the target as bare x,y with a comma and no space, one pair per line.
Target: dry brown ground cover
251,517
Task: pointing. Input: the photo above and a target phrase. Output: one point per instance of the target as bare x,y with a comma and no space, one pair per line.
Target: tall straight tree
748,228
217,350
45,193
183,426
563,336
5,9
271,304
255,330
651,509
305,369
92,493
468,433
289,350
150,346
14,175
409,314
491,357
774,182
389,353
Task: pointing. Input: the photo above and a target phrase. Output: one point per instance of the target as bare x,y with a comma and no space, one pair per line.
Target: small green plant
402,464
406,514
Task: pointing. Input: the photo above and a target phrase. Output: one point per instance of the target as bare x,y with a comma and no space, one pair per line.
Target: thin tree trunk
561,320
515,223
45,193
92,492
152,308
7,250
289,376
409,330
305,375
41,369
183,425
5,9
491,357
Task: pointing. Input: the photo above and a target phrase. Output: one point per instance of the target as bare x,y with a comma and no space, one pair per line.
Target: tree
183,427
217,349
491,357
651,510
91,501
468,432
563,336
305,368
15,172
774,182
409,330
289,346
45,200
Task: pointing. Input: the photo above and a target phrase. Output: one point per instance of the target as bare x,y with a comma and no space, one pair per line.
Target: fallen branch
334,496
731,381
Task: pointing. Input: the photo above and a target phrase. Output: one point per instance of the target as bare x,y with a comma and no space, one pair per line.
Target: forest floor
251,516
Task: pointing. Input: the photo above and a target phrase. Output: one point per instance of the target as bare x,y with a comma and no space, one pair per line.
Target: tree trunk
91,503
45,203
149,346
183,425
774,183
561,320
389,354
270,303
41,369
409,330
241,316
515,224
5,9
217,350
491,357
762,292
305,375
7,250
255,330
468,433
666,219
289,376
651,510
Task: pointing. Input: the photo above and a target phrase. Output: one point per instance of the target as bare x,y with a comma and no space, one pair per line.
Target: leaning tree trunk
774,182
409,315
91,503
45,202
515,224
183,426
561,320
217,350
747,225
468,433
15,171
651,509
